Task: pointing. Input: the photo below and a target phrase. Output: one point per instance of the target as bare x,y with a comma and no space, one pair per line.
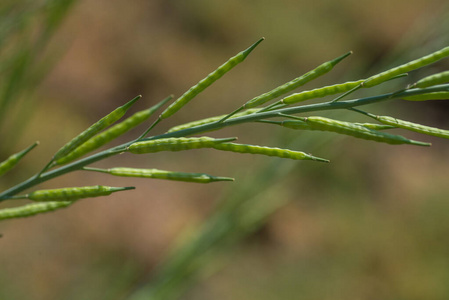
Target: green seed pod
413,126
428,96
252,149
210,120
161,174
32,209
206,82
111,133
74,193
175,144
14,159
297,82
434,79
347,128
297,124
94,129
410,66
321,92
375,126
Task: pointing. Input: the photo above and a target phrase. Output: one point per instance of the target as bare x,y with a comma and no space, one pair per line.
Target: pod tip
223,179
251,48
340,58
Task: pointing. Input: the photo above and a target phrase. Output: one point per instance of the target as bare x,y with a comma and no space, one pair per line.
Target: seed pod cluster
74,193
175,144
297,82
410,66
32,209
269,151
94,129
206,82
162,174
14,159
347,128
111,133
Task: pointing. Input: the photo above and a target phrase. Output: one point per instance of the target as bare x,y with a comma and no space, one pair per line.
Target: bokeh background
373,224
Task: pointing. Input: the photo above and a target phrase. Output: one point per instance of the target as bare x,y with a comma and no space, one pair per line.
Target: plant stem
78,165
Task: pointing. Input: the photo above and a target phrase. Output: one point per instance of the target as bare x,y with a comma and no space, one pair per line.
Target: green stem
78,165
149,129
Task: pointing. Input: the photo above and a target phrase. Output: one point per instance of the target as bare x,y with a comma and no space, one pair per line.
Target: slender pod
161,174
301,125
428,96
206,82
297,82
347,128
292,124
321,92
32,209
175,144
111,133
74,193
94,129
412,126
359,86
410,66
269,151
376,126
434,79
14,159
210,120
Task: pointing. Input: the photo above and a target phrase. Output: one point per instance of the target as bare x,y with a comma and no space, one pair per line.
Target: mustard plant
79,153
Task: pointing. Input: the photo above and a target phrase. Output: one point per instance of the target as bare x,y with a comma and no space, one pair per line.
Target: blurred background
372,224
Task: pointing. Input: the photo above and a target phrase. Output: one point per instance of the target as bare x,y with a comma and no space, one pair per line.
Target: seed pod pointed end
252,47
417,143
35,144
118,189
224,140
217,178
131,102
126,188
311,157
340,58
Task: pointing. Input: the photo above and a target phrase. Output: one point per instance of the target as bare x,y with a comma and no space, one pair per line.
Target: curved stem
78,165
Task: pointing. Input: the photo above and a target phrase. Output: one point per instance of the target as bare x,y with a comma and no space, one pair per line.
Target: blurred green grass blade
26,28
